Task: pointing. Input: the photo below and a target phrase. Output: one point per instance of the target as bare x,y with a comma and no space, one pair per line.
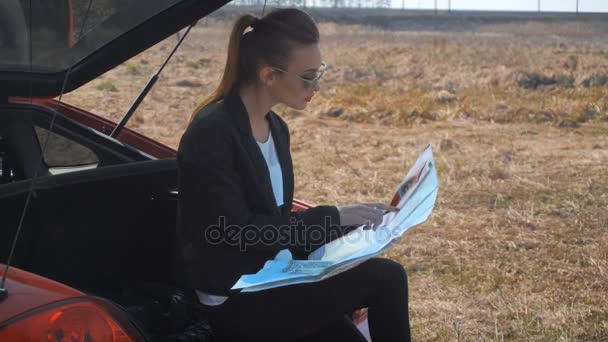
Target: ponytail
269,41
230,77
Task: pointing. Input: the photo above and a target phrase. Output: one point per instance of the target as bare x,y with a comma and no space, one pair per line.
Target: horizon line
433,10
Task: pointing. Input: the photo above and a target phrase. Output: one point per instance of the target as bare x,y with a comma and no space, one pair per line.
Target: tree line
316,3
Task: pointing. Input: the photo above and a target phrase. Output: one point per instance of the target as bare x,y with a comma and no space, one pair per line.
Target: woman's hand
365,213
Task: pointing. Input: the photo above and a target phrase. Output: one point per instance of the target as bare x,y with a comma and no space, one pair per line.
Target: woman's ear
267,75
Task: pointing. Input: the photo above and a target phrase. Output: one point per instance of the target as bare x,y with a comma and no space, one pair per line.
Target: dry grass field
517,112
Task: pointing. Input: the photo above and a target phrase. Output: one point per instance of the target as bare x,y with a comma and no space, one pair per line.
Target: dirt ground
517,113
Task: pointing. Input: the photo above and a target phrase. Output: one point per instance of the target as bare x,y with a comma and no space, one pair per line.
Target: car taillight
86,320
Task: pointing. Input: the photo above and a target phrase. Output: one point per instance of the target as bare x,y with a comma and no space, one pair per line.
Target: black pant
316,311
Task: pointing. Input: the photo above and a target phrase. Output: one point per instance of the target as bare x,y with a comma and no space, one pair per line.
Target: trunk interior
109,232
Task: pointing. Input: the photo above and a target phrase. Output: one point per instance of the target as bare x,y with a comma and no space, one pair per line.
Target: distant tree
383,3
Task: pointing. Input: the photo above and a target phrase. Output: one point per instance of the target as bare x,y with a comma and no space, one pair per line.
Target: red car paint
28,291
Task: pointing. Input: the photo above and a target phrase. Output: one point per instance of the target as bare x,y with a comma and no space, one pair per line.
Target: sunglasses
307,82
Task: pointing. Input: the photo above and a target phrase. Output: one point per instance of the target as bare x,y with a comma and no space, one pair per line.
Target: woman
236,191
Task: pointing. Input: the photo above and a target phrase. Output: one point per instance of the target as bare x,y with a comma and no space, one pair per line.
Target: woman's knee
389,270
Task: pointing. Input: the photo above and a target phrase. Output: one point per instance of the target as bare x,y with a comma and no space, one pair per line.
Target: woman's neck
257,102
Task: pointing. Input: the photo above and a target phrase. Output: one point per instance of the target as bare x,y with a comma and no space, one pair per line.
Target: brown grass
517,247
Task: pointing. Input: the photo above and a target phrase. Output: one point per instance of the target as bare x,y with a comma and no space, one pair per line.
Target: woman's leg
296,311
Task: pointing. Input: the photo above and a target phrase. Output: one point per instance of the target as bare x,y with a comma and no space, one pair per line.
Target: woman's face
296,85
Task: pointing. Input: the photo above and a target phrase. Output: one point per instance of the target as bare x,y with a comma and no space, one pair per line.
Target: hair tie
251,27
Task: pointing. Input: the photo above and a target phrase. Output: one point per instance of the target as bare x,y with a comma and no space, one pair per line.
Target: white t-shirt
269,152
274,168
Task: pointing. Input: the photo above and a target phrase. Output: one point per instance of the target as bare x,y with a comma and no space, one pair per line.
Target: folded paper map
415,198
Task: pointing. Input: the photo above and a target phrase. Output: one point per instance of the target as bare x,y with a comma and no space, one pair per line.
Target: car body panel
28,291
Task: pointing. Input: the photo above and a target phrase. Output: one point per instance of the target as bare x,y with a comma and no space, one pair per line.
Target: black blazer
225,193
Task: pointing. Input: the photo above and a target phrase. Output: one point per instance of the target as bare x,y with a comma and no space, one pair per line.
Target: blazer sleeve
211,189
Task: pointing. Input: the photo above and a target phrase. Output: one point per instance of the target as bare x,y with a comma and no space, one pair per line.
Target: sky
508,5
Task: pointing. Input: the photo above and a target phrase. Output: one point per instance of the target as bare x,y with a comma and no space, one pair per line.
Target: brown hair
269,42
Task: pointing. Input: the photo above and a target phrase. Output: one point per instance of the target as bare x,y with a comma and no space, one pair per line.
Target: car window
50,36
62,152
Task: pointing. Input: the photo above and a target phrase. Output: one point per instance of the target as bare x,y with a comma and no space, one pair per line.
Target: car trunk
106,225
107,231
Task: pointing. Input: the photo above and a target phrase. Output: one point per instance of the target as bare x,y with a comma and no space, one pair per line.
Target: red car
93,258
87,207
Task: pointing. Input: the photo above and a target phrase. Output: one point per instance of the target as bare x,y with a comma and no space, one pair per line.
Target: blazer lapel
237,109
